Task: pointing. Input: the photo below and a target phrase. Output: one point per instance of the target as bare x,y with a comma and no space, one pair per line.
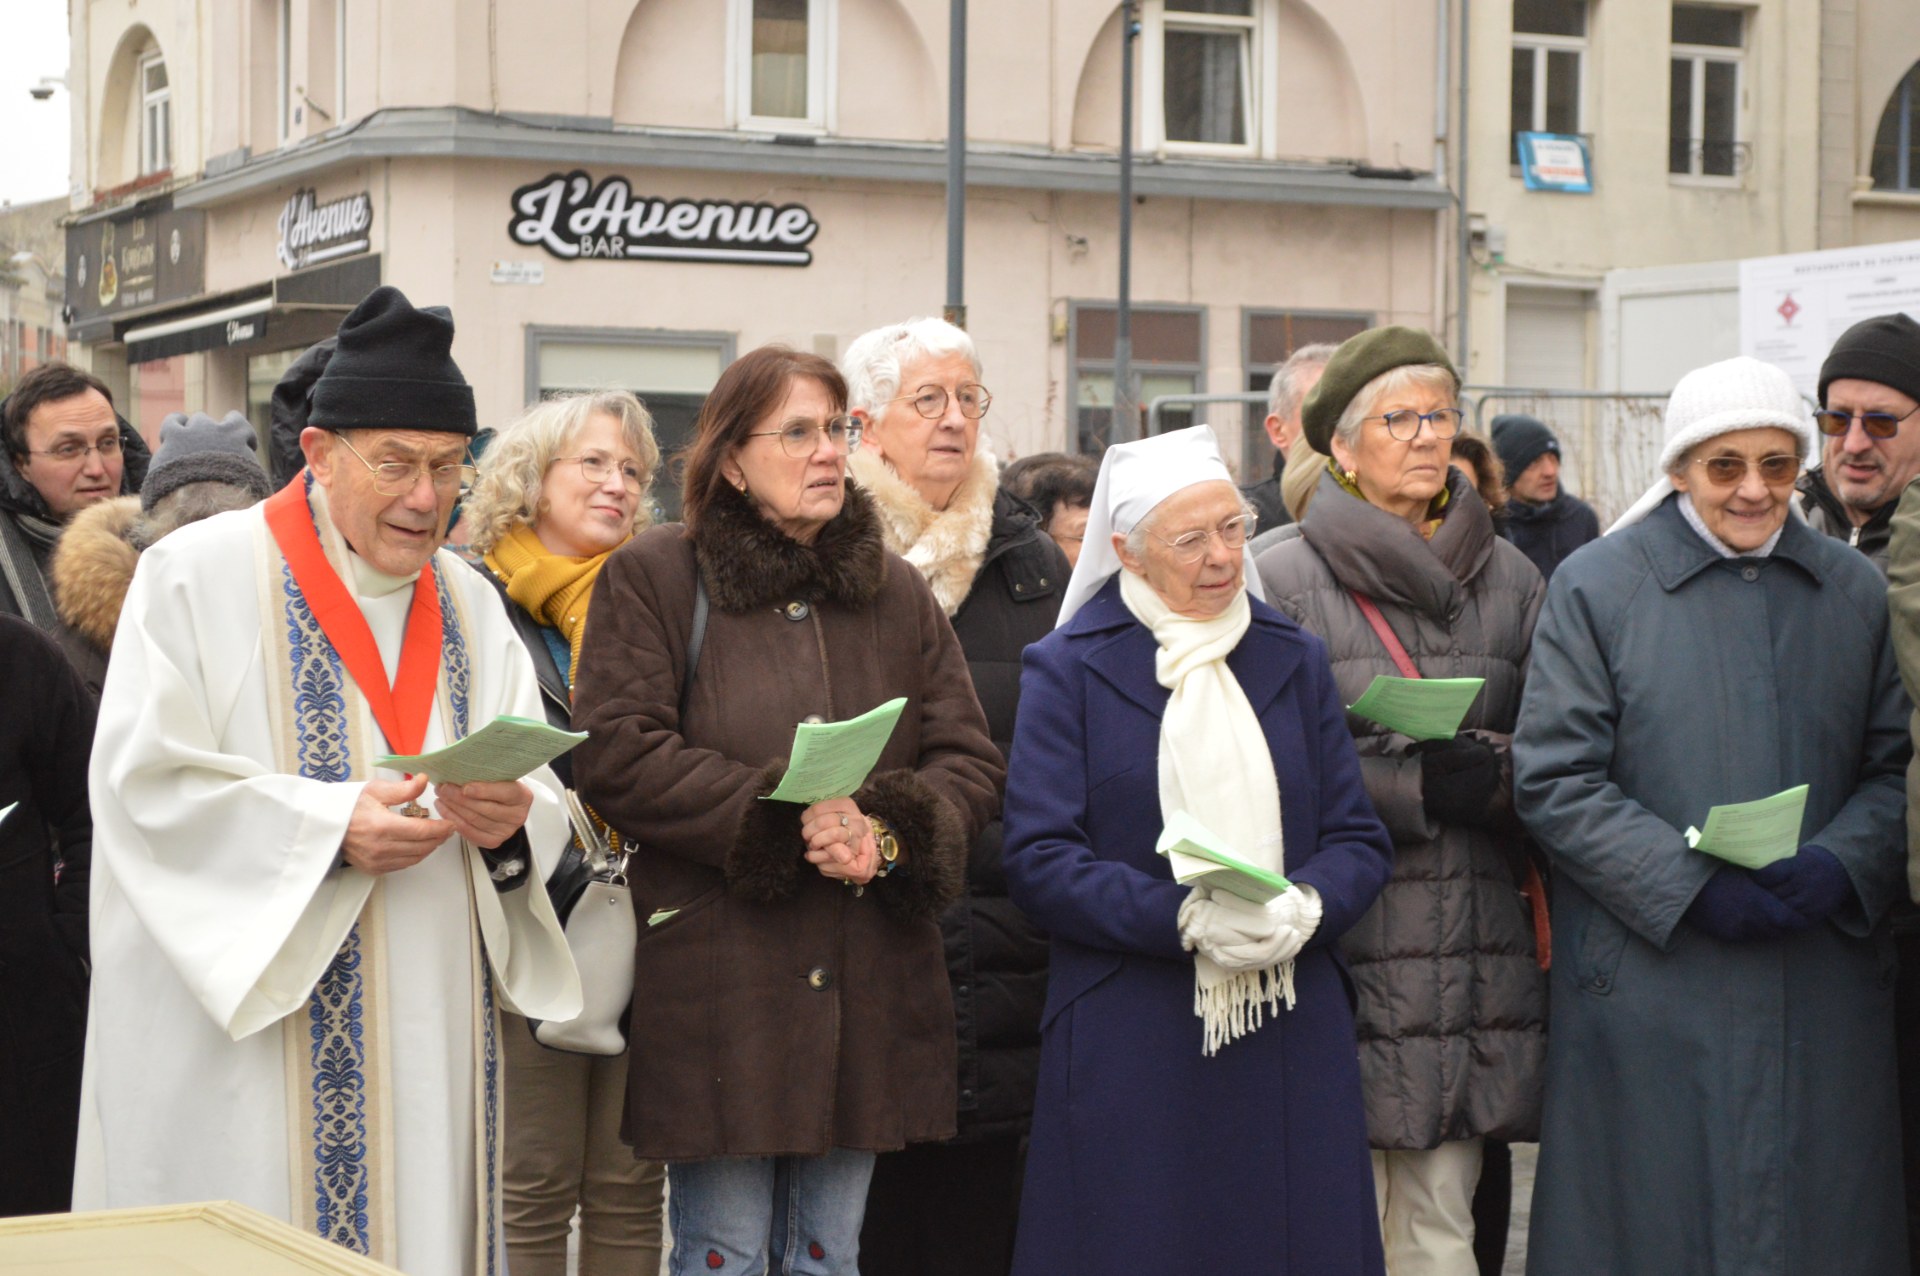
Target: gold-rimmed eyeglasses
397,478
799,438
1192,547
930,401
595,468
1775,471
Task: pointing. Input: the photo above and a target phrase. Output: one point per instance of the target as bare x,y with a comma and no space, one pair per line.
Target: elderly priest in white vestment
298,958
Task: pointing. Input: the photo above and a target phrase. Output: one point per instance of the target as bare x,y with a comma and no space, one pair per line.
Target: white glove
1237,934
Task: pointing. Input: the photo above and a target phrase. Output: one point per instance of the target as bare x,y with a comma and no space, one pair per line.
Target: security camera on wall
40,92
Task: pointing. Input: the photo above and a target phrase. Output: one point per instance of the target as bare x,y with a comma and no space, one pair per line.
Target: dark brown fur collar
747,562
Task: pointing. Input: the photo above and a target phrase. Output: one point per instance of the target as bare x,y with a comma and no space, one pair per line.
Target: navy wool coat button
1749,573
819,980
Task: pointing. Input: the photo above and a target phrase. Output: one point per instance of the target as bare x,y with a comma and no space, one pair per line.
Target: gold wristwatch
887,844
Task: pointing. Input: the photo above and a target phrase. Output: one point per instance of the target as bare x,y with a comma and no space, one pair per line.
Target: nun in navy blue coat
1148,1154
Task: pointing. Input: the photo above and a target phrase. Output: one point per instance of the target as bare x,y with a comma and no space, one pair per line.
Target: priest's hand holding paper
1238,934
840,841
380,840
486,812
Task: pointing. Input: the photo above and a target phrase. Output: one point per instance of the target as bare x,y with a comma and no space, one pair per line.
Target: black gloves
1459,779
1736,909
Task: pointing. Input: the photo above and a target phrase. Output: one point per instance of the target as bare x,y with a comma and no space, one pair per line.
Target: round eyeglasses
930,401
595,468
800,438
1404,425
1192,547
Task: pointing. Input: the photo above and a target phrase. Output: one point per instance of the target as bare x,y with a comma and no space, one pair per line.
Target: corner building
612,193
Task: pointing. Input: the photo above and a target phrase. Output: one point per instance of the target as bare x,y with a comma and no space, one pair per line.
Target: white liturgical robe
218,904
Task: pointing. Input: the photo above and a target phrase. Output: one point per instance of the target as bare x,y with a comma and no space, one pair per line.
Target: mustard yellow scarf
1435,508
552,588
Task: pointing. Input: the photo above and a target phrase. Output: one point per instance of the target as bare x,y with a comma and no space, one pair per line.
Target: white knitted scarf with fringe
1215,765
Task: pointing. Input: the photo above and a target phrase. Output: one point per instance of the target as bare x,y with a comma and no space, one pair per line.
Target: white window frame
339,62
822,66
1260,71
1540,45
1699,55
156,144
283,71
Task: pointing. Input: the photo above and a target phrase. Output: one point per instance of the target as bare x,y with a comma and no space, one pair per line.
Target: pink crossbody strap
1401,660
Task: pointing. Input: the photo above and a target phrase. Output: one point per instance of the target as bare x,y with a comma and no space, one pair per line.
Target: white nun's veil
1135,477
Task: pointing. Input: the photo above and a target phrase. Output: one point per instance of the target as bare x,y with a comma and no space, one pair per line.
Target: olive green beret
1360,359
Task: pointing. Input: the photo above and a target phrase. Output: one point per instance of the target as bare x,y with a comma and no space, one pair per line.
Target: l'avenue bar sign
570,217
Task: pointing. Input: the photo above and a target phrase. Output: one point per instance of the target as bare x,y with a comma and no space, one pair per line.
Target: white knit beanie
1735,394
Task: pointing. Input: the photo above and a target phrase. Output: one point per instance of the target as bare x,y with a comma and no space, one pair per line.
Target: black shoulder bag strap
696,638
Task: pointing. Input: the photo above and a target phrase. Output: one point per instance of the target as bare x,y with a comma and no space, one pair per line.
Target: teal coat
1714,1107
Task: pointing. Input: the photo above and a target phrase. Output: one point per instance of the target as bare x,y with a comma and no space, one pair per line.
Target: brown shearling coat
775,1011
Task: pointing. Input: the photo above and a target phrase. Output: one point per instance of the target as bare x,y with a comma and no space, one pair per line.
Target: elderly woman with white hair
1199,1106
1396,565
1720,1091
559,490
947,1209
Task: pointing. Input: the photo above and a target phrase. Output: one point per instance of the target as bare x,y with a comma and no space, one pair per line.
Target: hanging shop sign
572,218
133,261
1556,162
312,232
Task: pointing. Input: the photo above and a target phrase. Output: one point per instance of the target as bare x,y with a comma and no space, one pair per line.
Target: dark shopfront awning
292,311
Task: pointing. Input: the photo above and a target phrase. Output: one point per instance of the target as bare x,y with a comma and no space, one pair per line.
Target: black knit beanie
1884,349
393,369
198,449
287,412
1521,440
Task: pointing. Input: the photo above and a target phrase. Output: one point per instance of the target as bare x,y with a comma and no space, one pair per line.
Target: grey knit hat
196,449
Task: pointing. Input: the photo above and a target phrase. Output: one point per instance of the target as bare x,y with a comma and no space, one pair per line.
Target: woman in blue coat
1199,1105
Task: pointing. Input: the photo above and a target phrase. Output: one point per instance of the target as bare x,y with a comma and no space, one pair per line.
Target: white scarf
1216,766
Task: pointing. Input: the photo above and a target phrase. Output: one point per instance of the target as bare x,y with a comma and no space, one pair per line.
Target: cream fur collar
945,546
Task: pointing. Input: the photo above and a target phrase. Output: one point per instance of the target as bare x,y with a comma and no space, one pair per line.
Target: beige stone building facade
631,192
1714,131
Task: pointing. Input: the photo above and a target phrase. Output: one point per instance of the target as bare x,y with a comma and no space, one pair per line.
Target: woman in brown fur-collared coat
791,1015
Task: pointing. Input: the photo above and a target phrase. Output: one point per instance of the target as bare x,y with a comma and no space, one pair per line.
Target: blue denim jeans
768,1216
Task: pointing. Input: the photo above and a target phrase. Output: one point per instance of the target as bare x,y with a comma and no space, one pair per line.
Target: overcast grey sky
35,150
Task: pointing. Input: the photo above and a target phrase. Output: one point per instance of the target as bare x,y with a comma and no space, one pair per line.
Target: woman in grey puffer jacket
1452,1002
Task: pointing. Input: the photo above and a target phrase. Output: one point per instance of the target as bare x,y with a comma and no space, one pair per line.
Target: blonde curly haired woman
559,490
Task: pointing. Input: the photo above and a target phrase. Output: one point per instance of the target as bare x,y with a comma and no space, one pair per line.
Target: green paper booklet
505,749
1427,708
832,759
1199,858
1753,834
1424,708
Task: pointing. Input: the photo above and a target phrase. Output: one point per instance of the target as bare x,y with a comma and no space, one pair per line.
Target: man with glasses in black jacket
1869,393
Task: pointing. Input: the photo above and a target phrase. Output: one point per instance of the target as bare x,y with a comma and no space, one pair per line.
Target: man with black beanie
1869,391
1544,520
297,942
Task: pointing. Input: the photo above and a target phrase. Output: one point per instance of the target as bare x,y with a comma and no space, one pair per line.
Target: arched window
156,114
1896,147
